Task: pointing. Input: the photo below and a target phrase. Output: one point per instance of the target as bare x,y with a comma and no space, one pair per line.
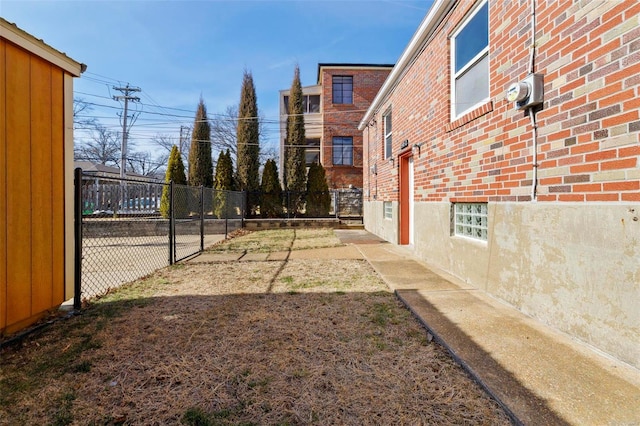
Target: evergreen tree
295,168
271,191
318,197
200,165
248,148
175,173
223,183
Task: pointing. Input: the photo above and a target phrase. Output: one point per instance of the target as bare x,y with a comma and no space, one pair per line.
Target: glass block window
388,209
470,220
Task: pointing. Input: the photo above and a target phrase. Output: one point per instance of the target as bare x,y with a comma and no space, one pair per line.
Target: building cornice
347,66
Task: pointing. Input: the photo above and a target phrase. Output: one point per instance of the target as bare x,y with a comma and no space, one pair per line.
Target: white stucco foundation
574,267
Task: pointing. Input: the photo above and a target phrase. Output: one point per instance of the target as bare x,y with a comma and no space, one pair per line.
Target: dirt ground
253,343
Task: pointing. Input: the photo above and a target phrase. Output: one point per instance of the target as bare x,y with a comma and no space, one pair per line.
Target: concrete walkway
541,376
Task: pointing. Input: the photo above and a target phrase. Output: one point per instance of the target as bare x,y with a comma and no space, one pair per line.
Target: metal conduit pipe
532,112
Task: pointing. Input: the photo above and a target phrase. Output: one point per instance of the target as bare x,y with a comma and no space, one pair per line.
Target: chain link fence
343,203
127,229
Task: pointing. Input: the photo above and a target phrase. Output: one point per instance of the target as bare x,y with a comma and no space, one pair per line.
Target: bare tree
80,110
168,141
224,135
223,132
143,163
103,147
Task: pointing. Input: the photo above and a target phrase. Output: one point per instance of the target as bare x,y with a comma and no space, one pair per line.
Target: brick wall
588,128
343,119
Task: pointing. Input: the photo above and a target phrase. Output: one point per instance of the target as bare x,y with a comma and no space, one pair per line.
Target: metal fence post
245,203
226,214
171,220
201,218
77,214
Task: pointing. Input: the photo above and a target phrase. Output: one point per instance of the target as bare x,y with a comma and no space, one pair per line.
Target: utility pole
180,146
126,97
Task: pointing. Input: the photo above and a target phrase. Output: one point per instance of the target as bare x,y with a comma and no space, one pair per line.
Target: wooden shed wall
32,192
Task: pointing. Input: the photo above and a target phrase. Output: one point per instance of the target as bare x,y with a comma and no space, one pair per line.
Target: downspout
534,132
368,156
532,112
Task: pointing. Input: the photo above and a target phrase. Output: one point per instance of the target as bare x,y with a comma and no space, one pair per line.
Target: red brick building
333,109
504,150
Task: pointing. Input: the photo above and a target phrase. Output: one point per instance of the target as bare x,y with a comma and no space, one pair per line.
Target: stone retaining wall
153,227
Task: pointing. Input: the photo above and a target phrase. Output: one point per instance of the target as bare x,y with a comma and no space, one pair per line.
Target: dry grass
278,240
275,343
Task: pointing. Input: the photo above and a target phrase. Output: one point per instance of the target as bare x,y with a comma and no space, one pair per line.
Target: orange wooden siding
3,192
32,186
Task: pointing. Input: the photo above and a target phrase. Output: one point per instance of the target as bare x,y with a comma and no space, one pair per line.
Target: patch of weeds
64,414
300,373
81,367
260,383
196,417
225,413
56,362
418,335
177,266
116,303
311,284
381,314
378,342
397,341
287,280
110,421
11,387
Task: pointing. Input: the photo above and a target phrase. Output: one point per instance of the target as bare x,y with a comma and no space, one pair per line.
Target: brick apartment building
524,186
333,109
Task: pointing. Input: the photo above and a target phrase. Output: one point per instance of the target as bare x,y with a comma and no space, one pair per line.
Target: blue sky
177,51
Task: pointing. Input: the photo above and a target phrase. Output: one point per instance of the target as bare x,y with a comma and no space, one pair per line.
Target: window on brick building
387,134
342,151
312,151
470,64
342,89
470,220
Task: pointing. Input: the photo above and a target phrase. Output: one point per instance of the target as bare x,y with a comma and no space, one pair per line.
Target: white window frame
387,210
455,111
470,220
388,140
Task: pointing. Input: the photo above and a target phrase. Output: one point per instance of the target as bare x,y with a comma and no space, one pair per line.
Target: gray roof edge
438,10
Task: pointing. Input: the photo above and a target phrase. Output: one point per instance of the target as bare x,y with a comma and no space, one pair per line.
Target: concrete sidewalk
541,376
